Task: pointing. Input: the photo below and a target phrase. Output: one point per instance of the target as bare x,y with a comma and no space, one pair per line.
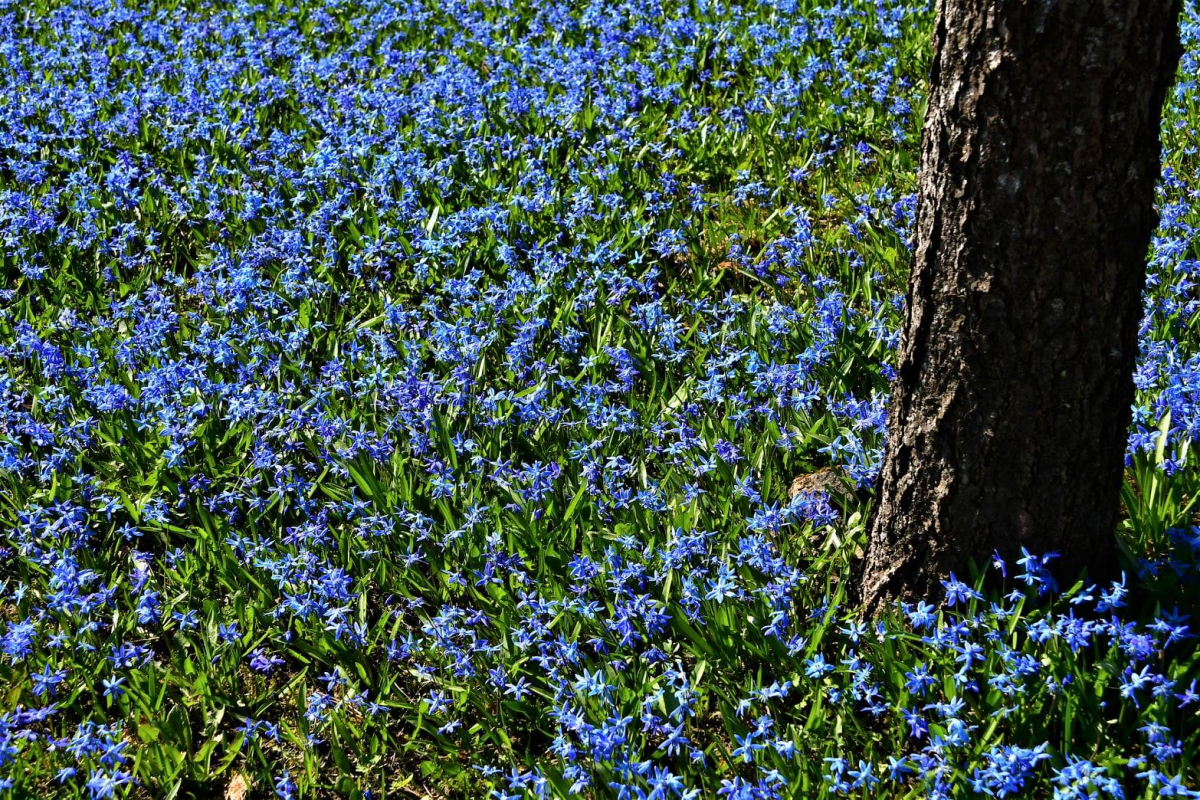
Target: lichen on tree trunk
1014,384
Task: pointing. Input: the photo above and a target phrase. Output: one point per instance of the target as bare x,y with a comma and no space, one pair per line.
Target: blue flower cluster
471,397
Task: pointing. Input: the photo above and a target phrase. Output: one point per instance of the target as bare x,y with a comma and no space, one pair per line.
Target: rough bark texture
1010,409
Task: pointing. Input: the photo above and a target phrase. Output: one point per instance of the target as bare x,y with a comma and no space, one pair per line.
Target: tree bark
1012,399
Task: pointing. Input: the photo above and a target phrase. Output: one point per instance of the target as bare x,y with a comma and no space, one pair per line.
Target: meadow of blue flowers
402,398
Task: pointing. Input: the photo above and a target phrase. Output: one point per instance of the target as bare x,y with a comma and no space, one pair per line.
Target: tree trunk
1011,405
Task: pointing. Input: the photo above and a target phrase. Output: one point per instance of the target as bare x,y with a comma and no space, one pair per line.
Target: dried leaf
825,479
238,788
